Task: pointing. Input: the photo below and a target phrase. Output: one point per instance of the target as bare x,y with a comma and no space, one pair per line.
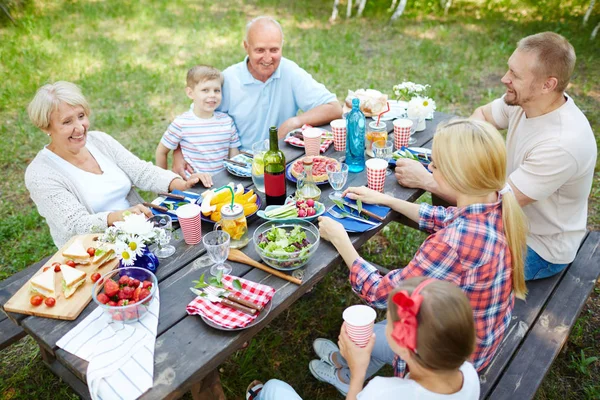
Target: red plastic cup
190,222
402,127
376,168
338,128
312,141
359,323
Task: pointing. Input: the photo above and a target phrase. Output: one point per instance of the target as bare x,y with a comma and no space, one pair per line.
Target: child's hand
330,229
358,358
365,195
203,177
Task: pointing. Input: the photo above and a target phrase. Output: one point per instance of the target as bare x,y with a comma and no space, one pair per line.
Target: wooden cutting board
67,309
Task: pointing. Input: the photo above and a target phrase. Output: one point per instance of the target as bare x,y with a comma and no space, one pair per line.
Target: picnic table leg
209,388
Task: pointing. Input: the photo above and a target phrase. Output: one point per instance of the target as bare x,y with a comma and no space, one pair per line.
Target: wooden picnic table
187,351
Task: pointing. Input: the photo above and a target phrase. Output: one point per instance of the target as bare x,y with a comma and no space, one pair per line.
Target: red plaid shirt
468,248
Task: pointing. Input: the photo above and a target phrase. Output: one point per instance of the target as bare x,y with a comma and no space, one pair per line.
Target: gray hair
263,18
48,98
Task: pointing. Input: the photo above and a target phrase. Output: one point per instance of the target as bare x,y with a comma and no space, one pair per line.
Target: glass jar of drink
375,133
258,166
233,221
306,187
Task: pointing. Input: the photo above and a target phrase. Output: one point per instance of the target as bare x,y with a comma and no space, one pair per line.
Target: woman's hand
358,358
330,229
119,215
366,195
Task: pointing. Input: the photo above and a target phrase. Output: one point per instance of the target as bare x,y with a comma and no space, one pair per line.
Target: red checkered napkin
226,316
299,142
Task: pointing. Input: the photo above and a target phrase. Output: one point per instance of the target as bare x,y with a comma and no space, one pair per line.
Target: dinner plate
292,132
262,315
242,172
246,190
291,178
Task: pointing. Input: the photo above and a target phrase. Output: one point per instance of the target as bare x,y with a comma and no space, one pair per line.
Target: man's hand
288,125
179,164
411,174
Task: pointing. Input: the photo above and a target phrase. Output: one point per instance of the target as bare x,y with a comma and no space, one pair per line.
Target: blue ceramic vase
147,260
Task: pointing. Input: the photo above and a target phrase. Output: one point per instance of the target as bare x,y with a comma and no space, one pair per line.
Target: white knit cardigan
60,201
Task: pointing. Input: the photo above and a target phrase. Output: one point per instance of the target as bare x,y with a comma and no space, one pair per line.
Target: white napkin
120,356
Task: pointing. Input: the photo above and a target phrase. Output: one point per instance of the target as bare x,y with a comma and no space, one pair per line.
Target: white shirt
405,388
104,192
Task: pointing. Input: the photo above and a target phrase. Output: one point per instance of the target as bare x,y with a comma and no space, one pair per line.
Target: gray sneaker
327,373
324,348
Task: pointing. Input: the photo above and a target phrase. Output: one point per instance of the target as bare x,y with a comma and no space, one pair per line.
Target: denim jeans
537,268
275,389
382,354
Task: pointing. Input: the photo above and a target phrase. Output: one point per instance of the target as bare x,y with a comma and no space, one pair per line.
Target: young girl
478,245
430,326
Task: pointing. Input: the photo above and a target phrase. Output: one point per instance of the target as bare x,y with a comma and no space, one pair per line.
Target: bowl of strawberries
125,293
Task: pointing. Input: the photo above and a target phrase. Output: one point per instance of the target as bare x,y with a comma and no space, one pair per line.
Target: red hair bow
405,330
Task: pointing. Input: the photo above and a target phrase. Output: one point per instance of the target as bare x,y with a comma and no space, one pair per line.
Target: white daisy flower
136,245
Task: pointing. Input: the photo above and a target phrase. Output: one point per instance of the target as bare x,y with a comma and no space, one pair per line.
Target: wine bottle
274,162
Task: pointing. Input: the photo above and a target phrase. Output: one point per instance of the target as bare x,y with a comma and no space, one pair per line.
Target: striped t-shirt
205,143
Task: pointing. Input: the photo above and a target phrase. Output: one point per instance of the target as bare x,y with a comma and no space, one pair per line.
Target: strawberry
136,294
147,285
112,303
128,292
144,293
117,317
103,298
124,280
134,283
123,302
111,288
129,315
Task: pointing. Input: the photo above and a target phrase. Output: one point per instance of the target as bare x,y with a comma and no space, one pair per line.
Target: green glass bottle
274,161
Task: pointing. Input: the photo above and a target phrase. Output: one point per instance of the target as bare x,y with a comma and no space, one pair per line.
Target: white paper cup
376,168
312,141
190,222
338,128
359,323
402,129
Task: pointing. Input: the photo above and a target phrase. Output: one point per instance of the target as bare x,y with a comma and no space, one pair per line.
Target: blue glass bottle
355,141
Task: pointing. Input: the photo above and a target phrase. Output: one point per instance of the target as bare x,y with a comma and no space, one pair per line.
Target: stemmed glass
337,175
216,244
413,129
384,150
164,249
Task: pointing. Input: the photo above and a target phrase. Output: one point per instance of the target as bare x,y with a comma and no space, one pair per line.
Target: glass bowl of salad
286,246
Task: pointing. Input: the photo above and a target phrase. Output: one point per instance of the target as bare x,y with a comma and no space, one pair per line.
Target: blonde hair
446,328
203,73
49,97
555,56
471,156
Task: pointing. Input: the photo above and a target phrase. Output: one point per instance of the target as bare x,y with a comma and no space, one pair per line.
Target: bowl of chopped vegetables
286,246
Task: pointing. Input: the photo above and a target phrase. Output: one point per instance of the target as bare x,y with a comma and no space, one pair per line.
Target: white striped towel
120,356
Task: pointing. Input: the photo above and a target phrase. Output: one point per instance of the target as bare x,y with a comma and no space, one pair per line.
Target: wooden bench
540,327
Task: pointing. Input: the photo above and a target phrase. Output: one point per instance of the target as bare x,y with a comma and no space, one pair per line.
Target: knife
159,208
229,303
230,296
239,163
363,211
246,153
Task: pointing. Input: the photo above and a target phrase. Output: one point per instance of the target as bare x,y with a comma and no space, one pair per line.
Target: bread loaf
372,102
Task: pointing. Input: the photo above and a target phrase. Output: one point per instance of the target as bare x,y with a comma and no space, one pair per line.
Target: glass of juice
375,133
234,223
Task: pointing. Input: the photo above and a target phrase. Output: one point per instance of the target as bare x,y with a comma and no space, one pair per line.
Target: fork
339,215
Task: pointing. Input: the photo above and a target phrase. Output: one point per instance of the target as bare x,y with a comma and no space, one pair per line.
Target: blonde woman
478,245
82,179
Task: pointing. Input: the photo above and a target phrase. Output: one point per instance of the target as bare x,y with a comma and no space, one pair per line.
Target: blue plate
242,172
319,208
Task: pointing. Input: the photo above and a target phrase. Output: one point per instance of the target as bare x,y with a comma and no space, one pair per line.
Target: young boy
206,137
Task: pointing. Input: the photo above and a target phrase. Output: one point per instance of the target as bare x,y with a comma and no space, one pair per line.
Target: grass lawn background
130,58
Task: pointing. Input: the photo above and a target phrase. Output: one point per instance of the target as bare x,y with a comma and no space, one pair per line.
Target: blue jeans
537,268
275,389
382,354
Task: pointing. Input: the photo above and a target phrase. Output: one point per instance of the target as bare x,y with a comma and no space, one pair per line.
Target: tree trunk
399,10
595,31
447,7
588,12
349,9
334,13
361,7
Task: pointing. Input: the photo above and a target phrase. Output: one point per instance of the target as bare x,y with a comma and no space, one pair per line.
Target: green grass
130,57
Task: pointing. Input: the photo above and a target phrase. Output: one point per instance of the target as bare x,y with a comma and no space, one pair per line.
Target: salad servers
237,256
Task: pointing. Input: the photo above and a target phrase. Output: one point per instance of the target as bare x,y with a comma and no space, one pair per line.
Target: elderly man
551,151
267,89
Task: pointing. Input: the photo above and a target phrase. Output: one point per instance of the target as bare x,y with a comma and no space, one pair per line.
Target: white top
205,143
395,388
103,192
551,159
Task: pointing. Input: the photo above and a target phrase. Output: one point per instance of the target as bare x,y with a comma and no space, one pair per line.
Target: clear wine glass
384,151
337,175
164,249
413,129
216,244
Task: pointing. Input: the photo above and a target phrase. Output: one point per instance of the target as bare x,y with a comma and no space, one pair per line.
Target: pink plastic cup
359,323
338,128
376,168
189,220
402,129
312,141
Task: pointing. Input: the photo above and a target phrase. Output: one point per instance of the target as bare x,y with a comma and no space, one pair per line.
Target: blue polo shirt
256,106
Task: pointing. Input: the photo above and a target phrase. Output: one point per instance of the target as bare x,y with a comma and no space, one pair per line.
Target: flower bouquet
420,108
131,237
407,90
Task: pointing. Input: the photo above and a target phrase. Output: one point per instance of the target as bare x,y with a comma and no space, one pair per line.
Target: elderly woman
83,179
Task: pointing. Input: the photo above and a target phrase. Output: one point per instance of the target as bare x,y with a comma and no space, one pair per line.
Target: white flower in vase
136,224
